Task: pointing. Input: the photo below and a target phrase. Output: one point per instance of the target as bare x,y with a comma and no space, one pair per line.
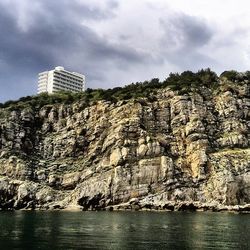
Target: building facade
60,79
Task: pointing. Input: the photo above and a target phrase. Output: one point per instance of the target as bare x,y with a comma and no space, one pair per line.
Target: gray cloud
183,30
55,36
184,36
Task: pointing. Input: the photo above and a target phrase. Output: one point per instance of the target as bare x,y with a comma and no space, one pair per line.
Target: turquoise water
123,230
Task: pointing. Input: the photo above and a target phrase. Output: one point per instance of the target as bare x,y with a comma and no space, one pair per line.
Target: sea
123,230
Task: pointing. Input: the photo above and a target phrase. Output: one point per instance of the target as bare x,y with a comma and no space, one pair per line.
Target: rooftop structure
60,79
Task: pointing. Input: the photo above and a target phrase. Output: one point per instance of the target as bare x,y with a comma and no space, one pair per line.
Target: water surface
123,230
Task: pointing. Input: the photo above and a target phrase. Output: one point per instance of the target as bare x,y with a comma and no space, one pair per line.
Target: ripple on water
123,230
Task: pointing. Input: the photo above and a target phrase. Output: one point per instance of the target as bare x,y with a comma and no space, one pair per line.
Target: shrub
231,75
188,80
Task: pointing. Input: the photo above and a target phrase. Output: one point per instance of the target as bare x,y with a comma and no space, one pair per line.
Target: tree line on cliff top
181,82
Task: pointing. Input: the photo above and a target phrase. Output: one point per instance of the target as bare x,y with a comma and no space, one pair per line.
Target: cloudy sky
116,42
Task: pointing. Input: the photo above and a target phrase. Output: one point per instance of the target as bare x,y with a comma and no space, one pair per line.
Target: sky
117,42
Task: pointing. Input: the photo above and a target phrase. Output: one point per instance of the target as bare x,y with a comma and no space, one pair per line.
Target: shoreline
136,207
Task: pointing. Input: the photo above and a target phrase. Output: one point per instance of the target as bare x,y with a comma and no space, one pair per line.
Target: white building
60,79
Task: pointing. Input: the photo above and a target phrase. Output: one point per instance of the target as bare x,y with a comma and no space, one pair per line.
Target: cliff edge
170,150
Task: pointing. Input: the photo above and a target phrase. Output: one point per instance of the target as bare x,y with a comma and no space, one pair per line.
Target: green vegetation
40,100
189,80
235,76
182,83
230,75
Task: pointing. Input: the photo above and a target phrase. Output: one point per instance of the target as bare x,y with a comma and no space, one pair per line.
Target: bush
188,80
231,75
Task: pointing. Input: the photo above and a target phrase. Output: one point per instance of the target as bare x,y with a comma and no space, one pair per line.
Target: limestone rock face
191,148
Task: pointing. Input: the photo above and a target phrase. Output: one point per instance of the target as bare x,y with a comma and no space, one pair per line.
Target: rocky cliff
172,151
